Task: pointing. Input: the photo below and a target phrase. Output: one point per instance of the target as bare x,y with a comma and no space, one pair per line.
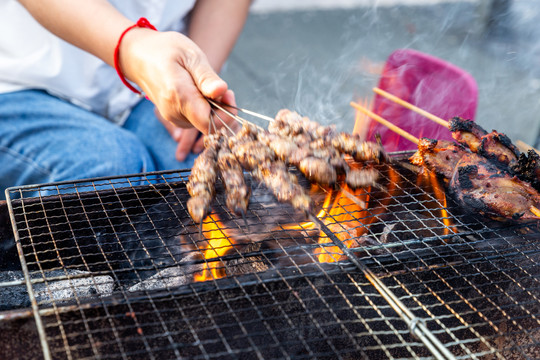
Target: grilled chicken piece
440,156
236,191
494,146
201,183
482,187
467,132
476,182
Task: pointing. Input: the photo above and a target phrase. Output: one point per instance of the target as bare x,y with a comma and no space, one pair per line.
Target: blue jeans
45,139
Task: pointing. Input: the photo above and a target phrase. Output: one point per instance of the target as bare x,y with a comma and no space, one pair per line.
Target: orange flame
361,120
428,179
218,244
440,195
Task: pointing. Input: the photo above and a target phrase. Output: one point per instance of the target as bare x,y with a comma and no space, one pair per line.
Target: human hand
188,139
176,76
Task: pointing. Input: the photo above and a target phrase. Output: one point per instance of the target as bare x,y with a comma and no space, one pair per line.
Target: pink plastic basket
429,83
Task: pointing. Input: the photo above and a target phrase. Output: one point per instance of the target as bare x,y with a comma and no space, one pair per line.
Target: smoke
317,61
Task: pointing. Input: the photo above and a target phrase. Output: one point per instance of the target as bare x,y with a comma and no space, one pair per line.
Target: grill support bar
33,301
415,324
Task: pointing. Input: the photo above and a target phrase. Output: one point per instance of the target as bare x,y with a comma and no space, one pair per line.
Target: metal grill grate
115,268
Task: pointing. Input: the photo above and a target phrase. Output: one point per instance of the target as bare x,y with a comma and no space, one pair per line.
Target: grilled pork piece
482,187
494,146
236,190
476,183
201,183
440,156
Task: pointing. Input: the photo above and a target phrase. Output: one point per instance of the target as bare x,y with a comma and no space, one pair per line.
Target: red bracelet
142,23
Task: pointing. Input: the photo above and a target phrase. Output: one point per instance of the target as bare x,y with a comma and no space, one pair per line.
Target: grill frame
383,273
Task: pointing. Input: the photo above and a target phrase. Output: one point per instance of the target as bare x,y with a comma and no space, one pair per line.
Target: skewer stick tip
385,122
535,211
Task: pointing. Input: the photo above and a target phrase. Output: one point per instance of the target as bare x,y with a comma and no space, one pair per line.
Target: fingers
187,143
204,76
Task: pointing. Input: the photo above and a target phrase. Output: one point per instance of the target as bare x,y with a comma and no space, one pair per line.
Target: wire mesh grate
116,269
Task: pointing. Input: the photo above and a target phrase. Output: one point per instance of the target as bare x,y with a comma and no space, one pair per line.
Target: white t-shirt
33,58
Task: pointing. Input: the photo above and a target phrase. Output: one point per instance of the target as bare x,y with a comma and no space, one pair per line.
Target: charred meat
236,191
528,168
484,188
494,146
476,183
201,184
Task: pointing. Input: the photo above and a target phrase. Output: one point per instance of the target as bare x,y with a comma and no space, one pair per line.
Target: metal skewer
249,112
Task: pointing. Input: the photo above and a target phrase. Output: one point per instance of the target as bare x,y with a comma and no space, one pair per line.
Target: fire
429,180
218,243
342,218
362,121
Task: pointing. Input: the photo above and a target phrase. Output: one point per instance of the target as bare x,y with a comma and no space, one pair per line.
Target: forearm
92,25
215,26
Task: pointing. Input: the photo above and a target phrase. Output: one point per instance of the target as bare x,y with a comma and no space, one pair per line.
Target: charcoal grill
114,269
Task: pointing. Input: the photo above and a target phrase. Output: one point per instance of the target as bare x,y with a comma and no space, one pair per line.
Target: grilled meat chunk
357,178
467,132
476,183
250,153
440,156
284,185
198,207
201,183
482,187
318,170
236,190
359,150
494,146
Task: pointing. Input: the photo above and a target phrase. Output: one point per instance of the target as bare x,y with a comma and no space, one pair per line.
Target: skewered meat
482,187
291,124
250,153
262,162
316,150
318,170
201,184
476,183
467,132
284,147
357,178
284,185
494,146
359,150
439,155
236,190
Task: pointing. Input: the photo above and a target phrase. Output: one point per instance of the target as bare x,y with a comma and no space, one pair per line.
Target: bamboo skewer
385,122
410,106
524,147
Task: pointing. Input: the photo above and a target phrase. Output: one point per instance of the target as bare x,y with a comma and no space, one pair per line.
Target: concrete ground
315,56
